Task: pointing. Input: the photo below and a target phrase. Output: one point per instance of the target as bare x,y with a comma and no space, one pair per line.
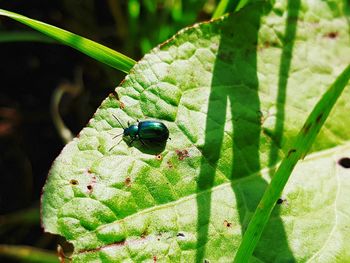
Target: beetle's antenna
118,121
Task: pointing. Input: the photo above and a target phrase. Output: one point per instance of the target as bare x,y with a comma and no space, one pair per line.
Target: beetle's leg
117,135
110,149
142,142
133,139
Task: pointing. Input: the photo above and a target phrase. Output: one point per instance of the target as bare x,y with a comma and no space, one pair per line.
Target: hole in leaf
344,162
180,234
280,201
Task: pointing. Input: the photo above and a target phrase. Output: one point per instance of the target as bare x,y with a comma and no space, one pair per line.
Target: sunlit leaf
234,93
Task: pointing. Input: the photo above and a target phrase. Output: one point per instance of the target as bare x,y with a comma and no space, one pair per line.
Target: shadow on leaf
234,100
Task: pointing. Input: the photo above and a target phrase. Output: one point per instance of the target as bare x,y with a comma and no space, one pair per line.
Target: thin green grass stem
298,151
93,49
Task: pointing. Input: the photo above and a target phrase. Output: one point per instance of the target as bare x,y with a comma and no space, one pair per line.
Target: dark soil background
31,71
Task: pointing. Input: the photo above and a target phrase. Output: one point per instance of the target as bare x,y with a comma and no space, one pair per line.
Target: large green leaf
234,93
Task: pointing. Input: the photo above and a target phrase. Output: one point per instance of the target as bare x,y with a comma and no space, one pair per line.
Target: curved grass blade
223,7
298,151
23,36
95,50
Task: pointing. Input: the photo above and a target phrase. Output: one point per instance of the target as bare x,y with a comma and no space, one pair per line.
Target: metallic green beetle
152,131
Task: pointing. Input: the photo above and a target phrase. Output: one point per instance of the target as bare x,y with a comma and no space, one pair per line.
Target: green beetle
152,131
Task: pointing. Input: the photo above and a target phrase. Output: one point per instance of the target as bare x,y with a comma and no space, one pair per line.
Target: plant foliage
233,92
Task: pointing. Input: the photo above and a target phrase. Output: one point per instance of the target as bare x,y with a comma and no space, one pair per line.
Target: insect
152,131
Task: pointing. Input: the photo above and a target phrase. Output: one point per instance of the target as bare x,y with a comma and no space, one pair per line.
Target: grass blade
28,254
25,37
221,8
302,144
95,50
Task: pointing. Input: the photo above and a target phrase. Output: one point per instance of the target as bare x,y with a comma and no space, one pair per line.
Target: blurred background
46,86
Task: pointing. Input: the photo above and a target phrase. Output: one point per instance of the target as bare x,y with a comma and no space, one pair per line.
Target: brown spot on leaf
92,182
227,223
127,182
170,164
144,234
90,188
154,258
182,154
121,105
116,244
74,182
332,35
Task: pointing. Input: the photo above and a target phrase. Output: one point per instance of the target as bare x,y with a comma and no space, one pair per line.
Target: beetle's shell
153,131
